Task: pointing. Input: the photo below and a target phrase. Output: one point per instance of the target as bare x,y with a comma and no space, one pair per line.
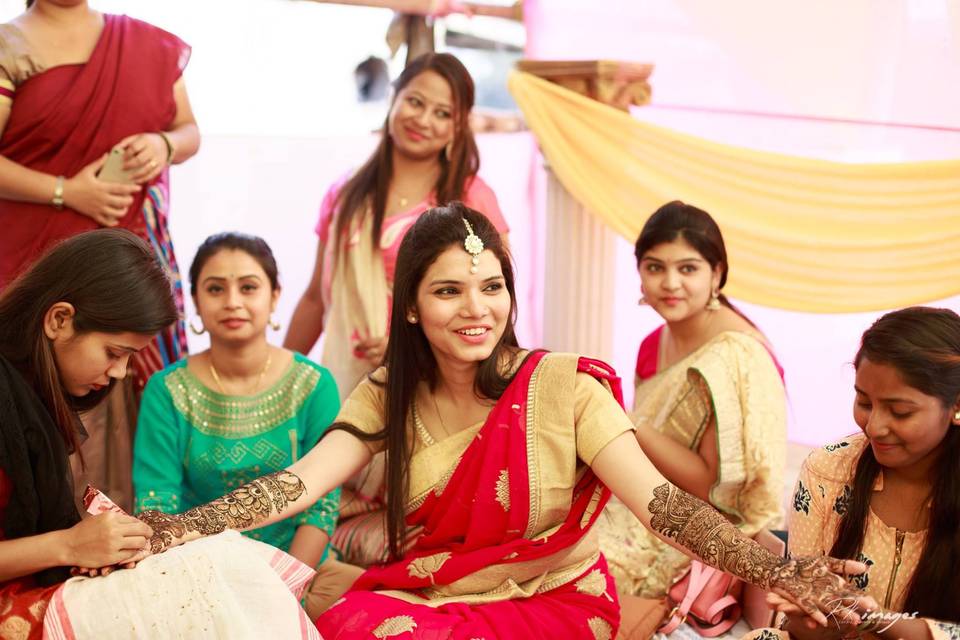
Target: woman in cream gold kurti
503,457
889,496
709,406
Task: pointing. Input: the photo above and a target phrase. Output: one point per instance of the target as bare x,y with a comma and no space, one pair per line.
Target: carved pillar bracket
618,84
579,270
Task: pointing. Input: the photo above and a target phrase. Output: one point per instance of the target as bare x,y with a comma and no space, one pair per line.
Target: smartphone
113,170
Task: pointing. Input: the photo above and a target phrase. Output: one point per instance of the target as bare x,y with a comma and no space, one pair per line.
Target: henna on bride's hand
816,584
240,509
811,583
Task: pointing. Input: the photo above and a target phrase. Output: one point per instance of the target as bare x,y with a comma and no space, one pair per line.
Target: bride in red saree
506,508
500,460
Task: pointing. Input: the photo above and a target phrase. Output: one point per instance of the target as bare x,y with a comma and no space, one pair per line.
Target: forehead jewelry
473,245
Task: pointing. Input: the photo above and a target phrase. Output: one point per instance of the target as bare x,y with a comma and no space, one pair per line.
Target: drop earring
193,328
642,301
714,303
274,324
448,150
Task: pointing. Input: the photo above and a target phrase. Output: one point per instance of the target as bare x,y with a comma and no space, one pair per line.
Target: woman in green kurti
223,417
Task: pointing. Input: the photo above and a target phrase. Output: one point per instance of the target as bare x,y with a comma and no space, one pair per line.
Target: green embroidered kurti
194,444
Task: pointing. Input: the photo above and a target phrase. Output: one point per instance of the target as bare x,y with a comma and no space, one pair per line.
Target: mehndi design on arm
695,525
240,509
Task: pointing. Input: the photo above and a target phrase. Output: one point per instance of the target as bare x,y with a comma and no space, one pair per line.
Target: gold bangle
171,150
57,200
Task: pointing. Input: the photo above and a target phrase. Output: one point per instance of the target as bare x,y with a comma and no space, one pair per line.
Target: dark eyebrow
123,347
677,262
887,400
218,278
460,282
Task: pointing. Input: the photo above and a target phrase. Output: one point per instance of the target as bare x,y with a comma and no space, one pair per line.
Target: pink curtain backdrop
770,76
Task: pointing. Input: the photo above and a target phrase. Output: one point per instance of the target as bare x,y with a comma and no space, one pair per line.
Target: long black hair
679,220
409,358
371,183
115,284
923,345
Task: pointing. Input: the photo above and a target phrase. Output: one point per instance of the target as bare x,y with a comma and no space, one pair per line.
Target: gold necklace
263,373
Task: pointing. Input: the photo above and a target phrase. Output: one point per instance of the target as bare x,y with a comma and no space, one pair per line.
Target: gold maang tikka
472,245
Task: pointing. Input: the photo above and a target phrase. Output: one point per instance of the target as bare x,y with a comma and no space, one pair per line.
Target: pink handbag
706,599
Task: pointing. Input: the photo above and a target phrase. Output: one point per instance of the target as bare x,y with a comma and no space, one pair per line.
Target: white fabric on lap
224,586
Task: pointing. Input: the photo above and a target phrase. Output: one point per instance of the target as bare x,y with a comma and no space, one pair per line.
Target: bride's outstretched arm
267,499
696,528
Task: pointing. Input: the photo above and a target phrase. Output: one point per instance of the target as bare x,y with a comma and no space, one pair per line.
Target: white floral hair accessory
473,245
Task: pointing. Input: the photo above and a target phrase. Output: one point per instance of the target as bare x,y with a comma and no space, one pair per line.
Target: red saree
66,117
22,603
478,531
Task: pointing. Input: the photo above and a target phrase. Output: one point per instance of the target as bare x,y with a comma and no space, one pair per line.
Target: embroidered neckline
216,414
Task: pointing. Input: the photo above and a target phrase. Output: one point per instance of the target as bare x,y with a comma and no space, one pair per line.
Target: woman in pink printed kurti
426,157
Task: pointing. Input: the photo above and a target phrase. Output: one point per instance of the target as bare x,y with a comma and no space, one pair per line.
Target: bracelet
57,200
170,148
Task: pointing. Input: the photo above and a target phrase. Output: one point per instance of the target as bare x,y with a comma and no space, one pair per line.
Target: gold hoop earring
274,324
193,328
714,303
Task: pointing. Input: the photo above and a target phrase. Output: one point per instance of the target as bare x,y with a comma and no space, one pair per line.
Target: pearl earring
412,318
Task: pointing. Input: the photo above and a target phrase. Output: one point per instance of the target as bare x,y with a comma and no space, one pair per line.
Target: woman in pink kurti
426,157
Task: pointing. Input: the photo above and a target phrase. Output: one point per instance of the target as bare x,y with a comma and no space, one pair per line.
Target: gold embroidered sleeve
364,409
597,416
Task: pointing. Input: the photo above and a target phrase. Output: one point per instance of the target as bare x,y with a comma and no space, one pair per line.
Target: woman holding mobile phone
96,81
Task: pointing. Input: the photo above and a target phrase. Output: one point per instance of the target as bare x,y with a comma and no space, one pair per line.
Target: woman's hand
105,202
814,587
371,350
106,539
144,155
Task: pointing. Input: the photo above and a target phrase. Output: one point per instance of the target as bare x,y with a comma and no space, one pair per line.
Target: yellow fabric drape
801,234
